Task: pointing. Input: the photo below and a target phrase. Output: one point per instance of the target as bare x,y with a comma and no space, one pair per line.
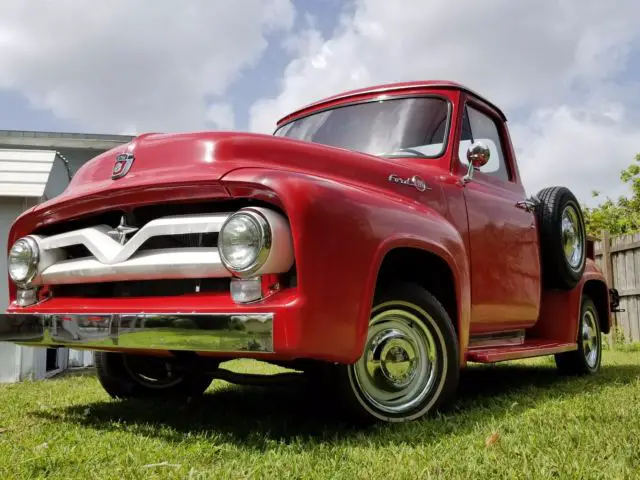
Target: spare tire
563,247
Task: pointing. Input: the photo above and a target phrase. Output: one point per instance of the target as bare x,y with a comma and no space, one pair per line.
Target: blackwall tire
410,364
587,359
563,246
124,376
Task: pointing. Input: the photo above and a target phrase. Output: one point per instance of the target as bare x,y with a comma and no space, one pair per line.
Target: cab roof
391,87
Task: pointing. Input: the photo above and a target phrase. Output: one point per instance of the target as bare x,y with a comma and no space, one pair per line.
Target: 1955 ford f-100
379,240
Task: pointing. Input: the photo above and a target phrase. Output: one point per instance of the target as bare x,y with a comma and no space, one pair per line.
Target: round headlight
23,260
244,242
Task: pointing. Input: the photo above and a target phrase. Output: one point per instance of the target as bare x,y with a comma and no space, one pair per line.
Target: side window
479,127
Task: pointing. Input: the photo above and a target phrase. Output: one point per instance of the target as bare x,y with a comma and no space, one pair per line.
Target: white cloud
221,115
121,65
583,149
544,58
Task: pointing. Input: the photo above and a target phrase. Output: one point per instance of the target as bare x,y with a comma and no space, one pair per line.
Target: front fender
341,234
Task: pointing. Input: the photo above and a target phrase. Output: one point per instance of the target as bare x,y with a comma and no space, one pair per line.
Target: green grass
547,426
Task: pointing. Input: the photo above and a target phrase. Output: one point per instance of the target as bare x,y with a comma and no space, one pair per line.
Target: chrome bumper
220,332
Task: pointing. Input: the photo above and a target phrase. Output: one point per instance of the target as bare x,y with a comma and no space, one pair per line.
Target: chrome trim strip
168,263
110,252
206,332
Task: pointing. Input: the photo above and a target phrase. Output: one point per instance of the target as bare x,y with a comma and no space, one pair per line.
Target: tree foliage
621,216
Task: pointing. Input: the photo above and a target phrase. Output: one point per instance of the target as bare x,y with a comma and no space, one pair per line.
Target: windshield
393,127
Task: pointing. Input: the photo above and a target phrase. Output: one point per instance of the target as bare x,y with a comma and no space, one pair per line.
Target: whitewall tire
410,363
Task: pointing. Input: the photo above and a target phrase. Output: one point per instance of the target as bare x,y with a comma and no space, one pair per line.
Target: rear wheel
587,358
409,365
134,376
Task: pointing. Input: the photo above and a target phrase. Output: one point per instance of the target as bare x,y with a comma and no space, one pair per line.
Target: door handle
528,204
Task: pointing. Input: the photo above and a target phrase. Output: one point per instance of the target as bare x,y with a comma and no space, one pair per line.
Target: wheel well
597,291
422,268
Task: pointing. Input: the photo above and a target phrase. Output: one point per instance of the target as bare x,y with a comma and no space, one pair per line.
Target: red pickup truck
376,243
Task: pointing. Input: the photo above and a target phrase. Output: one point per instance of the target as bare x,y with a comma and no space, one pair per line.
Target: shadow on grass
257,417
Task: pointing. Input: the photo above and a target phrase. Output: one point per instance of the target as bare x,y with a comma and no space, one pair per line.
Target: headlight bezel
265,237
33,262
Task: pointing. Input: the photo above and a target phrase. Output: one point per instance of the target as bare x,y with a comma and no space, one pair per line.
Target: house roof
60,140
27,157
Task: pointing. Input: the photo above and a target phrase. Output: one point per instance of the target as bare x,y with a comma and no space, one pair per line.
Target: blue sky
246,90
18,114
566,72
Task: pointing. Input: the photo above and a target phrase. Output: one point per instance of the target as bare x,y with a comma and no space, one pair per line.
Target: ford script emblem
122,165
415,181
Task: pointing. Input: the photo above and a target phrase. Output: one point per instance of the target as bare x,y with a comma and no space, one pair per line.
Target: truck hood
171,160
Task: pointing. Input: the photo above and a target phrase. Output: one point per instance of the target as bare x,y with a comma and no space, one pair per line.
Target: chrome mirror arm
469,175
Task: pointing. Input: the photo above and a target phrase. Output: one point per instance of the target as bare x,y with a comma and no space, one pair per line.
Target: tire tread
117,382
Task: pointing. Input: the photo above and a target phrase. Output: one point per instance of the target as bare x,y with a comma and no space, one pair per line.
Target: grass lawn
516,420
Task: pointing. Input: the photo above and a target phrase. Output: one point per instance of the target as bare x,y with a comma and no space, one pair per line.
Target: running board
530,348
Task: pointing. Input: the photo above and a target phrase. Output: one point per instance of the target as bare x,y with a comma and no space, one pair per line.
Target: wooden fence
619,258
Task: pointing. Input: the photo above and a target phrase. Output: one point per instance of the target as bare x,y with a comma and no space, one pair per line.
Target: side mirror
478,156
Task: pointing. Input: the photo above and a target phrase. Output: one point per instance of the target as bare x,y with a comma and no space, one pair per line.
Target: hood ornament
120,233
415,181
122,165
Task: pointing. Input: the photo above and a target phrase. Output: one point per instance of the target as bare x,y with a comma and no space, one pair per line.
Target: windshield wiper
402,151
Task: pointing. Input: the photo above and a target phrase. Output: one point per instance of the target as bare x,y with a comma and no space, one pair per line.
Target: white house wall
15,362
26,178
36,166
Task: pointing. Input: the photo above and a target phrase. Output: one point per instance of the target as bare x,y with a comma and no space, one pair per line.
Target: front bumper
206,332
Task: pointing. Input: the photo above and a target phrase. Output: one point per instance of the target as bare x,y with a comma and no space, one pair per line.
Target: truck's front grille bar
107,260
149,265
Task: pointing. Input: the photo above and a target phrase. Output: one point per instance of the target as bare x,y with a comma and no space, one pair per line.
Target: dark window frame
506,154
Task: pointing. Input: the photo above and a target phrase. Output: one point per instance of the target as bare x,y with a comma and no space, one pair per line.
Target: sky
566,72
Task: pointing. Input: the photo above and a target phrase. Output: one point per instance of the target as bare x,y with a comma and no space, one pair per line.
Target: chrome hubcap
572,237
399,364
590,343
395,355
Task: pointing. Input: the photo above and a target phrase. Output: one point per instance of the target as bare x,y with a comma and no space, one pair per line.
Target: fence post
607,267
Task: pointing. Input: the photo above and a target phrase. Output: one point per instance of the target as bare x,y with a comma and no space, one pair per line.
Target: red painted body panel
345,217
559,311
503,240
351,227
341,235
504,248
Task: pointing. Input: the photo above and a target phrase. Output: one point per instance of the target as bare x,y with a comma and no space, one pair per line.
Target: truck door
505,271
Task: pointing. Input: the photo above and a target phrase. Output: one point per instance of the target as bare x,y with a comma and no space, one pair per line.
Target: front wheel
587,358
409,366
134,376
